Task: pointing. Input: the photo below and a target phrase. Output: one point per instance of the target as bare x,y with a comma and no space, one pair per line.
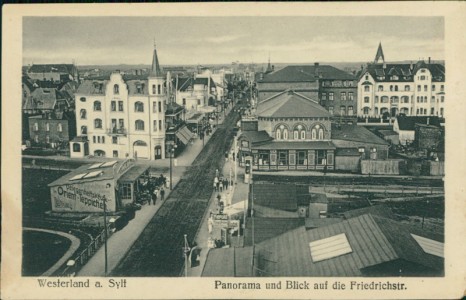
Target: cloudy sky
212,40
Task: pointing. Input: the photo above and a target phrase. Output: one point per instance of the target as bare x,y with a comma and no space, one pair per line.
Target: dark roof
173,108
267,228
155,70
408,122
373,240
405,72
280,196
59,68
377,210
44,99
289,104
107,173
228,262
437,70
205,81
92,87
311,223
184,83
355,133
347,152
133,87
28,82
256,137
281,145
306,73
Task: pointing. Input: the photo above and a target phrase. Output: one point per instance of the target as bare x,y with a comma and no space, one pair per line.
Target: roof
59,68
228,262
281,145
155,70
306,73
184,83
387,132
280,196
173,108
377,210
42,98
28,82
437,70
133,173
137,87
256,137
347,152
289,104
408,122
92,87
318,198
266,228
355,133
405,72
311,223
205,81
373,241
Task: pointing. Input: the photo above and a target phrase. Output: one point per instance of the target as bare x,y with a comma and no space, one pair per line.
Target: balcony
116,131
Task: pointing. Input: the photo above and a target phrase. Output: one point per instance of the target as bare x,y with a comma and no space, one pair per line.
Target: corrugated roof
355,133
289,104
281,145
408,122
306,73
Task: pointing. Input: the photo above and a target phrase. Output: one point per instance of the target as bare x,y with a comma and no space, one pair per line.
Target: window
47,127
425,88
324,96
423,77
384,99
350,96
441,111
160,124
431,110
366,110
366,88
83,113
36,126
285,134
296,135
407,88
154,107
139,106
418,88
59,127
76,147
330,96
394,99
366,99
320,157
282,158
98,139
396,88
82,99
184,101
330,110
154,125
113,106
321,134
116,89
114,140
97,106
391,88
380,88
264,158
83,129
442,87
98,123
158,89
121,123
313,134
153,89
367,77
103,140
404,99
139,125
301,158
120,105
115,153
303,134
342,110
343,96
36,138
376,99
278,134
94,139
417,111
442,99
425,111
47,139
350,110
160,106
417,99
125,191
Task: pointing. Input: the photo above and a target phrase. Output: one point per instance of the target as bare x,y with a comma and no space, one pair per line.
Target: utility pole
186,251
105,235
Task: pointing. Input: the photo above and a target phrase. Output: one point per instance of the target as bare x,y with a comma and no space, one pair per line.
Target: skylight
79,176
329,247
429,246
95,166
109,163
92,174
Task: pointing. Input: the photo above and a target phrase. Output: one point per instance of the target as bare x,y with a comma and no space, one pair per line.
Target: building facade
386,89
124,118
52,130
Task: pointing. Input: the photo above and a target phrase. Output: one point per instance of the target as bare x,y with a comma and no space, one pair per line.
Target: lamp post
186,251
171,150
105,235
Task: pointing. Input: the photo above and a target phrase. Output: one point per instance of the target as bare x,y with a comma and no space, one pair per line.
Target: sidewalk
121,241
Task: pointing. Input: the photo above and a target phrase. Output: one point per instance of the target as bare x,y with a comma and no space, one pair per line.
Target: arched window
83,129
139,125
366,99
98,123
278,134
97,106
313,134
295,134
139,106
116,89
83,113
366,110
140,143
321,134
299,132
303,134
285,134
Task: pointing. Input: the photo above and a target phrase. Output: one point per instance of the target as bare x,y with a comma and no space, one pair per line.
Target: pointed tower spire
269,67
155,69
379,54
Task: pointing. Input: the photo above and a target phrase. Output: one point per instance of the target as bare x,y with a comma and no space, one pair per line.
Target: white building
122,118
412,89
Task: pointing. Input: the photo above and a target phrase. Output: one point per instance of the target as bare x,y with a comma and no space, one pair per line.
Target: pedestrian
225,183
215,186
218,199
216,172
226,156
221,186
162,194
154,196
216,183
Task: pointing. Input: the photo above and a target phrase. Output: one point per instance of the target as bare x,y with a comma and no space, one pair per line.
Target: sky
215,40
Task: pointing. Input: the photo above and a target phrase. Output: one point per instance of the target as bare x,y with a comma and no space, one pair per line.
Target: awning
184,135
194,119
133,174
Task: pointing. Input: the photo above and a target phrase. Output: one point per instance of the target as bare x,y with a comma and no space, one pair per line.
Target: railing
116,131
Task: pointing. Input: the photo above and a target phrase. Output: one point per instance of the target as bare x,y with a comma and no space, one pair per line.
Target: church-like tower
157,89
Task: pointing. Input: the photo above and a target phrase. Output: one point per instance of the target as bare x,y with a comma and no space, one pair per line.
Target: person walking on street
154,196
221,186
216,183
162,194
225,183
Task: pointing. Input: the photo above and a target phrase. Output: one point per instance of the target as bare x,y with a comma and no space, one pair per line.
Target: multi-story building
386,89
52,130
122,118
54,72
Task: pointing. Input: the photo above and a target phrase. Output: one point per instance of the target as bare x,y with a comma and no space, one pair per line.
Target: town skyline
213,40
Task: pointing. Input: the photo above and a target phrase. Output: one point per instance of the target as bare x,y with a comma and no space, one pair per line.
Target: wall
347,163
270,125
382,167
382,150
427,137
53,133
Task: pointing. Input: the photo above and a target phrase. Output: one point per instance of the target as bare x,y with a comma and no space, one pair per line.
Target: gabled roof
92,87
405,72
184,83
373,241
289,104
408,122
45,68
306,73
355,133
280,196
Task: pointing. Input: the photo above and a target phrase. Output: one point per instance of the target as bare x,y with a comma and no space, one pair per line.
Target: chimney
316,64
